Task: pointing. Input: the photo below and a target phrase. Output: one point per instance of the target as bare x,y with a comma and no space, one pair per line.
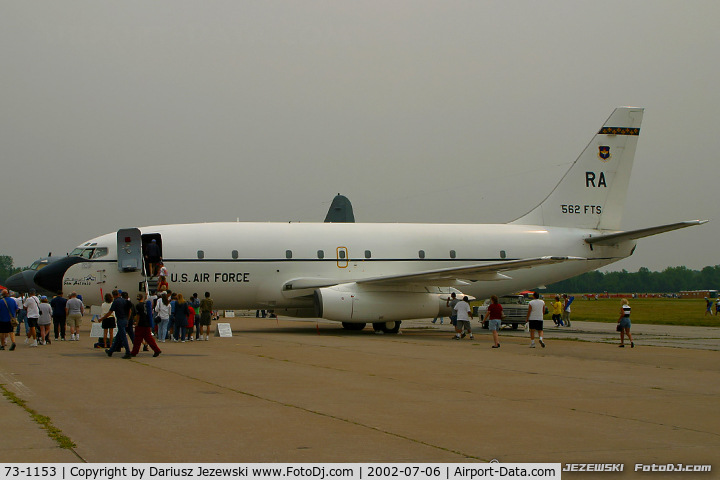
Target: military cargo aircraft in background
24,281
382,273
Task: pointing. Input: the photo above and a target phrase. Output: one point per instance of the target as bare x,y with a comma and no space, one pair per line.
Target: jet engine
343,303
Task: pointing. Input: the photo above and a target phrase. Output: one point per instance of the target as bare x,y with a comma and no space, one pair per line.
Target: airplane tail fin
592,192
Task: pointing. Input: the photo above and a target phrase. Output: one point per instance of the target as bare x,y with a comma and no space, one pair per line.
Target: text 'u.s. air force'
207,277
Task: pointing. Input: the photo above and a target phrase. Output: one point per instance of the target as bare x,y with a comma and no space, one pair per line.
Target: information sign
223,330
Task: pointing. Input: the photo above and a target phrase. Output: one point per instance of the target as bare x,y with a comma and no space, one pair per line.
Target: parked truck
515,309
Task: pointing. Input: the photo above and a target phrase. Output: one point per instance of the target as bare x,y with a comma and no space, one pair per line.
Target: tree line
6,268
670,280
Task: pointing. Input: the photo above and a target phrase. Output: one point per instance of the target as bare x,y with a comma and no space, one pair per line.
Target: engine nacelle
346,305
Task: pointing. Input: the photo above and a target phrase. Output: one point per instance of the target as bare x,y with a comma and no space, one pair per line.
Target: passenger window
421,254
368,254
320,254
503,254
235,254
341,254
200,254
100,252
288,254
452,254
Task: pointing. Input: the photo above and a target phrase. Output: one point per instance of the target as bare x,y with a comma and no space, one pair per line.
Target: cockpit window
36,266
89,252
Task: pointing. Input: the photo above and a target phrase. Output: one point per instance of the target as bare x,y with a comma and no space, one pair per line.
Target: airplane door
342,257
129,250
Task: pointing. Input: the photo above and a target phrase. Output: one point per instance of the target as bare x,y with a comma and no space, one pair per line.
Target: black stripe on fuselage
329,260
335,260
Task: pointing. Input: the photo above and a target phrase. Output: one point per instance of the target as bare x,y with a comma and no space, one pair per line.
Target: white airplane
381,273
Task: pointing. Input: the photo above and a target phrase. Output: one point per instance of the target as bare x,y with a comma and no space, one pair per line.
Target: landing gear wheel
514,326
485,325
387,327
353,326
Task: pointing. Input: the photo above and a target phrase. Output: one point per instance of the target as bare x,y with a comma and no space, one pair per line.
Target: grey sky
134,113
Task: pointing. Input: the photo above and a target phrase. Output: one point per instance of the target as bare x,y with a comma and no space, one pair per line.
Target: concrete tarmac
308,391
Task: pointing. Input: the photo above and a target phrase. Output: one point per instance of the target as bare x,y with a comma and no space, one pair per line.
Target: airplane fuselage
246,265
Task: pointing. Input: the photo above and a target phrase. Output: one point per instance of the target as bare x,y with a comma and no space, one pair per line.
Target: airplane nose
17,283
51,277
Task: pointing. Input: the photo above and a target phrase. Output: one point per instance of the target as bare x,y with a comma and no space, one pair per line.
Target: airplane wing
444,277
461,275
616,238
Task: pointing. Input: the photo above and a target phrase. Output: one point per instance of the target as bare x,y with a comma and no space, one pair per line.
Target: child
191,323
108,324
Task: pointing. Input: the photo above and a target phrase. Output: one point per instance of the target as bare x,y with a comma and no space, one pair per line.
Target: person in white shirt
535,319
163,272
464,315
566,309
162,316
32,306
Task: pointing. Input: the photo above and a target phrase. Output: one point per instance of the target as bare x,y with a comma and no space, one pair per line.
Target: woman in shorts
44,321
624,323
495,315
108,324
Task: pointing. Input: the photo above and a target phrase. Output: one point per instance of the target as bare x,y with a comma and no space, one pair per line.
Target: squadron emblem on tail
604,154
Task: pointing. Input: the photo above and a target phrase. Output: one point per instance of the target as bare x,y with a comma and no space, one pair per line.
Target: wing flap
460,275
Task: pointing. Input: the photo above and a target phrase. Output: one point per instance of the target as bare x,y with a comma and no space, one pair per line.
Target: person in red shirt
191,323
143,332
494,313
162,285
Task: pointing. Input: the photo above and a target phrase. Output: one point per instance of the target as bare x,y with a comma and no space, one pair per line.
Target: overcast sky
134,113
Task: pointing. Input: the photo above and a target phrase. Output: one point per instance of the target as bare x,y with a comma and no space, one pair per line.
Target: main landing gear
381,327
353,326
387,327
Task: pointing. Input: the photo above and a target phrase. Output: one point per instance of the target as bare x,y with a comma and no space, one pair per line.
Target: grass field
659,311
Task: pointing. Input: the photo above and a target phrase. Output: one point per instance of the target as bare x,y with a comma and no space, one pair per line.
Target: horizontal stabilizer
616,238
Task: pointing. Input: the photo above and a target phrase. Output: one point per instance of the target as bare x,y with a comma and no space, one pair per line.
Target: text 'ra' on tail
592,192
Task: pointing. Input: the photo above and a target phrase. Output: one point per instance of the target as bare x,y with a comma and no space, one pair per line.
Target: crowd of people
159,317
37,314
167,316
461,317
